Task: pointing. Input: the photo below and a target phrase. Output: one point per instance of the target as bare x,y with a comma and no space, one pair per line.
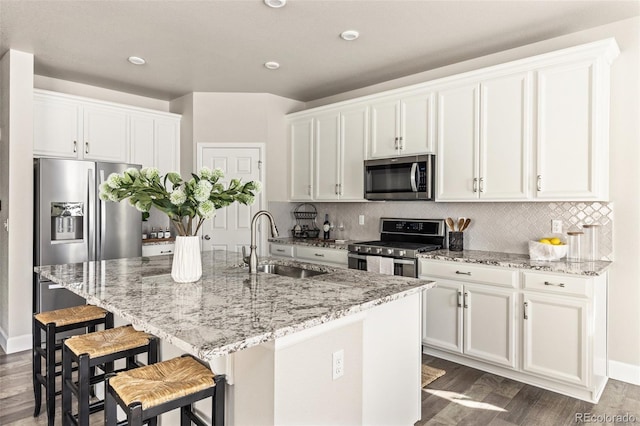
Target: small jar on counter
154,233
591,249
574,250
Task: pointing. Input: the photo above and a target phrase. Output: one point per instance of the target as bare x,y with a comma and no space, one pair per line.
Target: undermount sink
288,271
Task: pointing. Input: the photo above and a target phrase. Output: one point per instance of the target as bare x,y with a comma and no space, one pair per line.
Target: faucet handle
245,258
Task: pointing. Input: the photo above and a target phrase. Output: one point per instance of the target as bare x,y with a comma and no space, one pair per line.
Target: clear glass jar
591,248
574,253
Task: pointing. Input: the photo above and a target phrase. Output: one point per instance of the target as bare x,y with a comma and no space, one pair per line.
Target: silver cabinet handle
318,254
309,189
539,183
280,250
459,296
395,143
526,304
465,299
557,285
86,147
401,143
475,184
463,273
207,237
75,146
166,251
337,190
481,184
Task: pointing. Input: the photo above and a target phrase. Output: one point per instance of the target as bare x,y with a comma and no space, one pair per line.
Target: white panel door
566,155
141,131
354,127
230,228
489,324
385,118
555,338
105,134
56,128
417,126
327,156
442,320
458,119
505,137
301,162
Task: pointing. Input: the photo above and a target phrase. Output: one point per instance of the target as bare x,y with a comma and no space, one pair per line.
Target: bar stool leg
83,389
110,406
37,367
217,412
66,384
184,417
51,373
135,414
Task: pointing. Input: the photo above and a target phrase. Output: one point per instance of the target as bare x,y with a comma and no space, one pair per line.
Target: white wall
16,172
624,291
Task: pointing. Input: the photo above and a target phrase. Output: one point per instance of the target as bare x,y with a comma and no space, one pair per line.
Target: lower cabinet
157,249
319,255
545,329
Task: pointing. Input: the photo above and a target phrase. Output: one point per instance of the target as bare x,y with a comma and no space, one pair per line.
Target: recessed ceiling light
349,35
275,3
136,60
272,65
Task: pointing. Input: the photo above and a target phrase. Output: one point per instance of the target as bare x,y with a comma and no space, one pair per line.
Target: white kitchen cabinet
57,130
340,138
468,318
484,138
105,134
402,125
155,141
320,255
157,249
301,139
281,250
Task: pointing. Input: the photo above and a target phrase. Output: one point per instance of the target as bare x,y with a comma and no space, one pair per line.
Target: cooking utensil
466,224
450,224
460,223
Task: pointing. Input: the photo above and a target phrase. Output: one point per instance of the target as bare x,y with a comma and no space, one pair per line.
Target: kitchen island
276,337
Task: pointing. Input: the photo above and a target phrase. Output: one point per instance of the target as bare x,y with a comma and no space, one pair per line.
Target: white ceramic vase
187,263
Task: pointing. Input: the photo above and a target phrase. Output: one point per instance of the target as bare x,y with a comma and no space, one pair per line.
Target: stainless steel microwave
400,178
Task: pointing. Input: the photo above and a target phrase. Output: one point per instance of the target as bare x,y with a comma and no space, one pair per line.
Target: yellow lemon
544,241
555,241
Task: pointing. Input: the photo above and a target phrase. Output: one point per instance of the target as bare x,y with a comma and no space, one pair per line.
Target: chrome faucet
252,259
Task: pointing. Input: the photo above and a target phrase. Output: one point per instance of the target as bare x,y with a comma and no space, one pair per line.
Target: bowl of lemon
548,248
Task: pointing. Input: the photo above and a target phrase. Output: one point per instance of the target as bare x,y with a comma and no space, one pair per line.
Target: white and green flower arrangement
181,200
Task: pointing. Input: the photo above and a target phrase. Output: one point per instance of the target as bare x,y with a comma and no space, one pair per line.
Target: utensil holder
456,240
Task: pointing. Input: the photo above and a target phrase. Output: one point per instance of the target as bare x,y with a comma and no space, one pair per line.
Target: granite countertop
227,310
314,242
520,261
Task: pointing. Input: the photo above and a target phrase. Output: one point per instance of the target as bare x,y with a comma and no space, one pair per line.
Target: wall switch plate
338,364
361,219
556,226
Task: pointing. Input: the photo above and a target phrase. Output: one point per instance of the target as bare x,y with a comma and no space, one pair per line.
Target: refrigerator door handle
103,221
91,194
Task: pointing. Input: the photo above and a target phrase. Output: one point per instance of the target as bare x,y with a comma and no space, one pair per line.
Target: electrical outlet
556,226
338,364
361,219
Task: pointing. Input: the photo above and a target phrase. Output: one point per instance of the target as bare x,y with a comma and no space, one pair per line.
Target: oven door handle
397,261
414,183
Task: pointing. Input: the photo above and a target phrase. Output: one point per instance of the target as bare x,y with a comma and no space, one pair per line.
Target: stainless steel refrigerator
72,224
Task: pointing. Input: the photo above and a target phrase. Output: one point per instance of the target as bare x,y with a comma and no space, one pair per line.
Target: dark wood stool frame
87,377
136,415
49,354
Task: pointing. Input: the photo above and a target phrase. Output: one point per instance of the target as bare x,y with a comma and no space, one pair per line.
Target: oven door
401,267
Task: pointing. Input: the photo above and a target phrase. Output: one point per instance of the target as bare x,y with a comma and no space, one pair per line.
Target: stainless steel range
402,240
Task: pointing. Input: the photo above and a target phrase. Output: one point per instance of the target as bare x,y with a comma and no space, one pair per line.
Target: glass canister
574,253
591,248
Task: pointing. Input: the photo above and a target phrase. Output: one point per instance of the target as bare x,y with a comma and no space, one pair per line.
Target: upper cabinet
327,155
68,126
484,133
402,125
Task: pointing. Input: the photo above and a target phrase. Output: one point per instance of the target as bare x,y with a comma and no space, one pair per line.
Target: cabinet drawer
157,249
467,272
556,283
283,250
322,255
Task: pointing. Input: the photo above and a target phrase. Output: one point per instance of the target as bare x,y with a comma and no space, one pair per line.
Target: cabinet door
354,126
505,128
141,132
416,125
458,144
567,137
301,151
385,116
327,161
56,128
105,134
167,145
489,324
555,338
442,316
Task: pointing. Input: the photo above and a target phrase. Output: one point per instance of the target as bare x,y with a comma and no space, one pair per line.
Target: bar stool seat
146,392
101,348
53,323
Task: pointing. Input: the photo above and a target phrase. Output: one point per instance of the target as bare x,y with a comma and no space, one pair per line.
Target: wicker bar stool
101,348
53,323
147,392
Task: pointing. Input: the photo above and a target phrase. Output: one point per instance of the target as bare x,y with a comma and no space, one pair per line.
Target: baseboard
14,344
624,372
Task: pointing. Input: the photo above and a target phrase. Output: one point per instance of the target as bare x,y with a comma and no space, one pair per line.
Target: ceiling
221,45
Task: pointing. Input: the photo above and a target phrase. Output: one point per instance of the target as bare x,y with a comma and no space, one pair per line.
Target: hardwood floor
463,396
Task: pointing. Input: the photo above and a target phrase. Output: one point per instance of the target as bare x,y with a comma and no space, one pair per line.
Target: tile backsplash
502,227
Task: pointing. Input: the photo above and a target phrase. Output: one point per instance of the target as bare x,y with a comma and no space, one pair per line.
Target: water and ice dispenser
67,219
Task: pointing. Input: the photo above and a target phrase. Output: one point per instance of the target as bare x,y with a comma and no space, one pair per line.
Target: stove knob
402,253
378,250
367,249
389,251
357,248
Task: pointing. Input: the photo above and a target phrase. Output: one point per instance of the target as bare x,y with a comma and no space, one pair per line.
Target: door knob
207,237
